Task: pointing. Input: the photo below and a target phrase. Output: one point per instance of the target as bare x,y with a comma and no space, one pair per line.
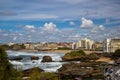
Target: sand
104,59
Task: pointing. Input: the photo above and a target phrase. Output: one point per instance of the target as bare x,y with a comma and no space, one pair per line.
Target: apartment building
110,45
83,44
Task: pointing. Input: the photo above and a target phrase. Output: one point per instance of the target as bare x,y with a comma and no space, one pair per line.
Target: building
10,43
97,46
110,45
83,44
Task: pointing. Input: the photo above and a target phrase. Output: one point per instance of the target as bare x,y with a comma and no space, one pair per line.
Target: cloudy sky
58,20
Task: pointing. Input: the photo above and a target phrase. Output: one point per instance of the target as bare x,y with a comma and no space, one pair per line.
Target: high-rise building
110,45
83,44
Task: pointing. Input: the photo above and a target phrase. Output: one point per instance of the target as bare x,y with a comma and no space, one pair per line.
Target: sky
58,20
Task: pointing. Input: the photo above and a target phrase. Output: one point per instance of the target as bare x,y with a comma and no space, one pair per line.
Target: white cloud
14,38
38,16
30,28
86,23
101,27
71,23
97,29
28,16
49,28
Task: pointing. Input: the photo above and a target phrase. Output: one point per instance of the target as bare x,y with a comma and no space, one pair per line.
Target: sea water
27,63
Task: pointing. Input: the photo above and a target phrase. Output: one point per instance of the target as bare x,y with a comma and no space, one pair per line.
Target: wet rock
46,59
84,69
16,58
34,57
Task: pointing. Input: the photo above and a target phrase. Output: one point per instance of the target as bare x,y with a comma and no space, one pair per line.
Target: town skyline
58,20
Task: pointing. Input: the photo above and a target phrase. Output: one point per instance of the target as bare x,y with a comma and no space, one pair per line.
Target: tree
7,72
116,54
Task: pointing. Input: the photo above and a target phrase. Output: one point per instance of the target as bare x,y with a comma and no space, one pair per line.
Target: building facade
83,44
111,45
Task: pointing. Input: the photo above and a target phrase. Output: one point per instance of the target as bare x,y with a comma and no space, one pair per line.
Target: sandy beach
104,59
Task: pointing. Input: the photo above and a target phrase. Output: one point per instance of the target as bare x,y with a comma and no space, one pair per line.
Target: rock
16,58
46,59
78,55
34,57
73,70
28,71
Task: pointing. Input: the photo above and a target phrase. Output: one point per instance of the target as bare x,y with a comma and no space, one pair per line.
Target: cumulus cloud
98,29
101,27
49,32
86,23
89,24
71,23
50,27
30,28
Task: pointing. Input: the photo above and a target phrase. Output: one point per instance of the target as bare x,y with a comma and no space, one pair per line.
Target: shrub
93,56
7,72
37,75
77,53
116,54
64,48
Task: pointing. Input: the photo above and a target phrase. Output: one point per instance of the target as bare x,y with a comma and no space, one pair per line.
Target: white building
83,44
110,45
106,45
10,43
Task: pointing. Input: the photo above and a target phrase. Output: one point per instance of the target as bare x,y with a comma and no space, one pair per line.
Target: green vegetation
75,55
79,55
14,47
93,56
116,54
7,72
37,75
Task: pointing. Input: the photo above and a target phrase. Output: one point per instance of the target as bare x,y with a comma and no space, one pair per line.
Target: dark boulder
84,69
15,58
34,57
46,59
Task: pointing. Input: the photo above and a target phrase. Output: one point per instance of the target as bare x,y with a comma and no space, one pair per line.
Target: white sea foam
26,63
16,63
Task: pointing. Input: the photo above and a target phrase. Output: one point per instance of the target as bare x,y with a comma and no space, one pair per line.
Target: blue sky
58,20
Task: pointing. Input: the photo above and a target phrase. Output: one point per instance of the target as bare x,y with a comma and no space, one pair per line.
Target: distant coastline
54,51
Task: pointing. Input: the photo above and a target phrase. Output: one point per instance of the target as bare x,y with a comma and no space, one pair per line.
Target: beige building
98,46
110,45
10,43
83,44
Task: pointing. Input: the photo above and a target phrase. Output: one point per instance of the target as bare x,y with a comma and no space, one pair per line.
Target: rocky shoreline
89,66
